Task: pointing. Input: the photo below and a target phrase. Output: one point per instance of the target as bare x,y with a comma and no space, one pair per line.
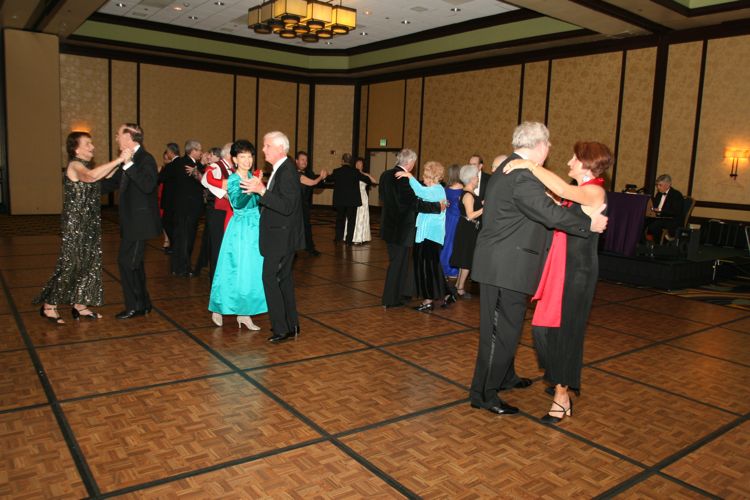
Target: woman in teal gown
237,287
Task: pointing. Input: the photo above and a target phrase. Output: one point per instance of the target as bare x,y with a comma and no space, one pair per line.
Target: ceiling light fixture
192,18
455,9
310,20
219,3
120,4
405,21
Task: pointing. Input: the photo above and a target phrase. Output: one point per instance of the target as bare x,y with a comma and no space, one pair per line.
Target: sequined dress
78,274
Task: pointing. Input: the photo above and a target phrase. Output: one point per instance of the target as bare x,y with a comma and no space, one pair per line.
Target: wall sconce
736,155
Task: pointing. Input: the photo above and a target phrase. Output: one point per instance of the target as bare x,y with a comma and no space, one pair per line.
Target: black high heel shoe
424,307
77,313
565,412
56,319
449,299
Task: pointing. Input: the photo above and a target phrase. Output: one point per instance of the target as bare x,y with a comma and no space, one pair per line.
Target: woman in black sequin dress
77,279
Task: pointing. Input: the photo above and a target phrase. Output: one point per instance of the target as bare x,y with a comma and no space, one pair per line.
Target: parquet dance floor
366,402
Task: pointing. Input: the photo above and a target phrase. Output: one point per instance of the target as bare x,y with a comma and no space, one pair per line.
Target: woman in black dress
467,228
77,279
572,268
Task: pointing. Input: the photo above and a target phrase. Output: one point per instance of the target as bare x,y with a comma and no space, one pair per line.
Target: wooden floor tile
462,452
711,380
189,312
251,349
35,460
145,435
636,321
31,277
640,422
681,307
464,311
315,471
742,325
613,292
658,488
109,365
373,287
29,261
378,326
353,272
331,297
19,384
600,343
721,467
347,392
719,342
44,333
10,336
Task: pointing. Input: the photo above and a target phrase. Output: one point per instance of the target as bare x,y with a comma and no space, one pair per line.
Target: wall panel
535,91
678,118
303,115
583,104
472,112
724,123
364,95
124,98
245,110
83,103
277,110
636,116
334,107
385,117
180,104
412,116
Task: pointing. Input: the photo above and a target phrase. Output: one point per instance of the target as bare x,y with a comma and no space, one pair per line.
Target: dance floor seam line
105,339
73,447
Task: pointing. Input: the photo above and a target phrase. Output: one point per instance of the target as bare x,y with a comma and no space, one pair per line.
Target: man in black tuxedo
346,196
184,175
398,217
281,234
308,180
508,260
139,219
668,206
484,178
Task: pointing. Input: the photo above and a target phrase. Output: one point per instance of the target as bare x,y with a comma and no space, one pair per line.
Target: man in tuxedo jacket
139,219
281,234
668,206
484,178
184,175
346,196
508,260
398,218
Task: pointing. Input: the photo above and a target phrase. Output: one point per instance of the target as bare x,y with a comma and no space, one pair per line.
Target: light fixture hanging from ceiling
310,20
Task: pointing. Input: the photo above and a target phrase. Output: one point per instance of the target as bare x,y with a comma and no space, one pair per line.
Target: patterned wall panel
636,117
277,110
583,104
124,96
303,115
385,117
363,113
84,102
180,104
724,122
535,91
472,112
245,109
678,118
412,114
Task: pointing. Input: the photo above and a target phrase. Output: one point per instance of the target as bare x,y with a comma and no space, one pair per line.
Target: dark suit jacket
485,179
281,227
167,195
185,191
673,205
346,186
139,205
517,218
398,216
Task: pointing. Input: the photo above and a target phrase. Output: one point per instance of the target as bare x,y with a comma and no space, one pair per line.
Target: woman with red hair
568,281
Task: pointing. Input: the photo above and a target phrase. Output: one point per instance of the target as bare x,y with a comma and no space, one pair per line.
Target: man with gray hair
667,208
399,207
508,261
281,234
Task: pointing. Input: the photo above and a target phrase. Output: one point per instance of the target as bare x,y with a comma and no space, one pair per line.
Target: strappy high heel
79,313
248,322
56,319
565,412
217,319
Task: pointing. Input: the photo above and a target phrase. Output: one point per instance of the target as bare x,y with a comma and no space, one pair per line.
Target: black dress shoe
313,252
501,408
424,307
278,338
130,313
523,383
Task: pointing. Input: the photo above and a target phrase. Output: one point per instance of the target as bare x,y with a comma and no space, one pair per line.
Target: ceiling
435,35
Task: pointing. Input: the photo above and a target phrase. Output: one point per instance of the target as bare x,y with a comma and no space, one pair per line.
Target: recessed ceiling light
367,12
405,21
219,3
329,43
193,18
177,8
455,9
120,4
363,33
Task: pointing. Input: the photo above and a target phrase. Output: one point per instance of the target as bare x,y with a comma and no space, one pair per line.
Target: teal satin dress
238,286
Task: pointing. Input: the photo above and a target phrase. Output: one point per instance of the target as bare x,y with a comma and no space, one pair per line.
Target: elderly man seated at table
667,209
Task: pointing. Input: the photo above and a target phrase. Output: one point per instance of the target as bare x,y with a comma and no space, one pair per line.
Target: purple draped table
626,214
